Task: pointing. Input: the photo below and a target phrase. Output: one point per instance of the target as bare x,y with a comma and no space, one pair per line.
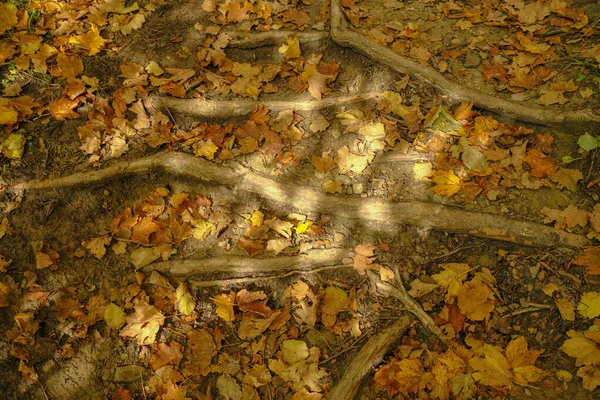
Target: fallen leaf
349,162
90,40
114,316
143,324
584,350
225,304
446,183
589,305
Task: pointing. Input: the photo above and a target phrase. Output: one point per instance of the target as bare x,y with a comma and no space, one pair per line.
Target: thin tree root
407,301
367,358
238,281
250,40
387,214
344,36
250,266
223,109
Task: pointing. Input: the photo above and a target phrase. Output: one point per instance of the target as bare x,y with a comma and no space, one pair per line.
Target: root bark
367,358
389,215
344,36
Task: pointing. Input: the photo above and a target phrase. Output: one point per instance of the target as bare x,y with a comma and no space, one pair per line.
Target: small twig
349,348
531,307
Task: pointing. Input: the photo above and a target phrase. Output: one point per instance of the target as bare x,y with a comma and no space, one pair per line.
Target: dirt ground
98,262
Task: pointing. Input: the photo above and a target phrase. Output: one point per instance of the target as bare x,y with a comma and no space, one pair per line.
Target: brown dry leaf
319,123
252,247
350,162
567,178
541,165
566,309
291,50
473,300
589,258
551,97
234,12
452,278
317,82
62,109
97,246
200,350
590,376
334,300
570,217
45,257
69,66
331,186
166,353
323,164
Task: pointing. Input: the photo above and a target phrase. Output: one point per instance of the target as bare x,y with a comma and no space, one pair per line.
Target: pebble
472,60
358,188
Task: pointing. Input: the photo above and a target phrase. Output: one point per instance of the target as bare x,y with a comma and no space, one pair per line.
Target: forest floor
301,199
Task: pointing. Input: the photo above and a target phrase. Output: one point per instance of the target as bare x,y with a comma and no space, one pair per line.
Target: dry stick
344,36
237,281
248,266
386,213
407,301
200,107
249,40
368,357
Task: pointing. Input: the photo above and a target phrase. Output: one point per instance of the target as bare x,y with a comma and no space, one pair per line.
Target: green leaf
587,142
443,121
13,146
114,316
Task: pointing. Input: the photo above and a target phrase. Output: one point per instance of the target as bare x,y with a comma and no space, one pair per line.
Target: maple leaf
317,82
541,165
589,258
144,323
334,300
570,217
350,162
234,12
291,50
68,66
589,305
90,40
491,367
62,109
45,257
590,376
225,304
472,300
199,352
97,246
452,278
585,351
446,183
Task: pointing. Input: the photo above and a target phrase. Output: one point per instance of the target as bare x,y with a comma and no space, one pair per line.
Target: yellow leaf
224,304
581,348
185,303
331,186
114,316
90,40
14,146
8,16
589,305
303,227
473,302
143,324
452,278
201,228
8,115
527,374
256,219
590,376
349,162
566,309
446,183
248,145
291,49
205,148
154,69
518,353
492,369
293,351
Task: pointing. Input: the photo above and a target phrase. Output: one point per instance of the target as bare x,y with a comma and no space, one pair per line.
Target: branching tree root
225,109
388,215
344,36
367,358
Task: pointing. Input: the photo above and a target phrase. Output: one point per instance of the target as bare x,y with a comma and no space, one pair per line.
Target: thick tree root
367,358
245,281
389,215
250,40
224,109
344,36
251,266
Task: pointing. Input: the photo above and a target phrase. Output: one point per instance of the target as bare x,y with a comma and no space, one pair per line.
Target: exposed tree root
386,213
367,358
344,36
407,301
250,40
245,281
223,109
251,266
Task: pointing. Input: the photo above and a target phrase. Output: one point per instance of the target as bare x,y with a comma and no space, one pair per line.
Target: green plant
10,75
588,142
